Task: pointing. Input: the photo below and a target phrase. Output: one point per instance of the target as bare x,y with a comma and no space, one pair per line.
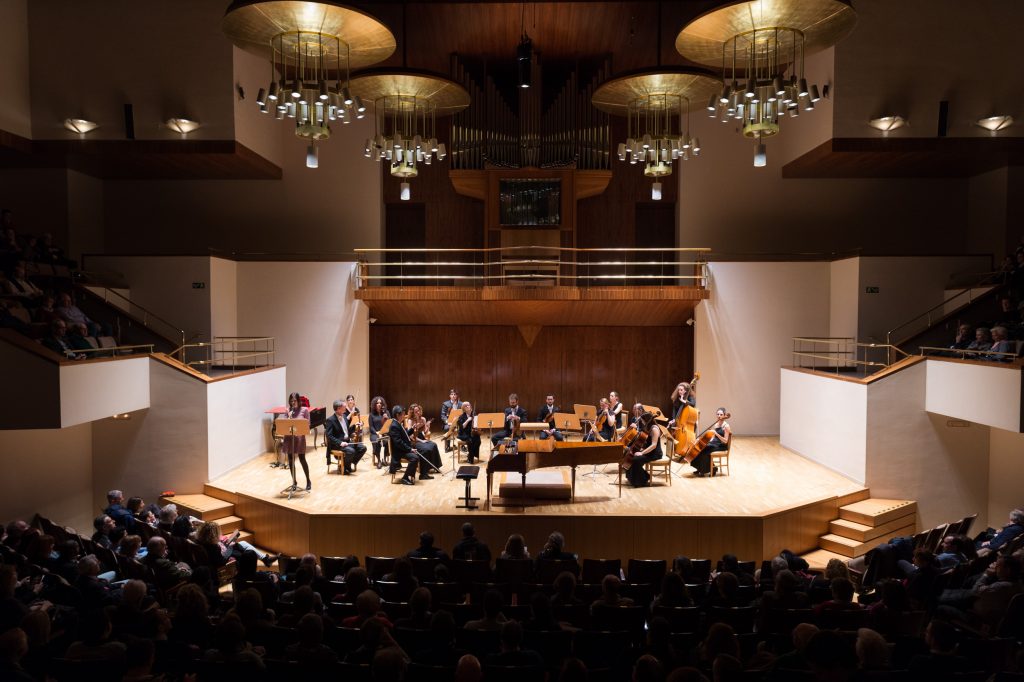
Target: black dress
637,474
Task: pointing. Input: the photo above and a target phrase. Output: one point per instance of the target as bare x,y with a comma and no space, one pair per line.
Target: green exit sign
870,290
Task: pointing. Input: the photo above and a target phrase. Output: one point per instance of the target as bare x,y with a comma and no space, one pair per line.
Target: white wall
321,332
844,283
983,394
223,297
48,471
916,455
744,333
235,416
1005,474
95,390
162,448
163,285
823,419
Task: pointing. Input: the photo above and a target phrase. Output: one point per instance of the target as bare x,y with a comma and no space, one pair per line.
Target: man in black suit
470,547
547,414
402,447
514,415
338,436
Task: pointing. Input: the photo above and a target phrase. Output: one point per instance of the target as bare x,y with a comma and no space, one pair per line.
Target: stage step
818,559
229,524
862,533
876,512
220,493
201,506
855,548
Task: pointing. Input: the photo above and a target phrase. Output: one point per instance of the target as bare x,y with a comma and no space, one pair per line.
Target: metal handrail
964,352
528,275
536,261
698,249
221,346
146,313
843,357
115,349
985,282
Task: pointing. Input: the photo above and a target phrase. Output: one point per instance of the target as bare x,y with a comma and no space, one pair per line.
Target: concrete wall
95,390
823,419
744,333
50,472
236,419
321,331
979,393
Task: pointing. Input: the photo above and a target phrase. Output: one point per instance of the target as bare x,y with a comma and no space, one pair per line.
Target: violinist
339,438
604,427
355,424
468,433
547,414
378,413
418,429
615,408
723,434
637,474
514,416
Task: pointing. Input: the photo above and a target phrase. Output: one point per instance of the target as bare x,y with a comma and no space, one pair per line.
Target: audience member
440,648
166,573
963,339
982,339
554,549
515,548
872,651
420,615
493,618
512,651
997,541
426,549
72,314
842,597
610,588
1001,344
470,547
565,590
58,342
941,658
673,592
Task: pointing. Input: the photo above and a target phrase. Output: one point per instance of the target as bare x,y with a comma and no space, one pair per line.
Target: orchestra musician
296,445
547,414
402,447
354,419
378,413
514,415
339,438
419,428
684,394
723,434
453,403
604,427
468,432
637,474
615,408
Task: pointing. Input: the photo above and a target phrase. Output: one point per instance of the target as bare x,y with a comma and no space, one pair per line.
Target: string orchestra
400,436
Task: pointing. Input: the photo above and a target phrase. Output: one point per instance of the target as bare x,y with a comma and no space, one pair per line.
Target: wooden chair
720,459
664,465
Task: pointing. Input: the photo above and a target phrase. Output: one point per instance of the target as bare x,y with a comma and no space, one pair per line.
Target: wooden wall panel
579,364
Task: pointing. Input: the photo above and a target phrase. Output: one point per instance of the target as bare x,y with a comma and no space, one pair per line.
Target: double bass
686,425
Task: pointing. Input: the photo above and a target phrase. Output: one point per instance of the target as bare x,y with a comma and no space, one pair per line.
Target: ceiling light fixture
656,191
995,123
183,126
312,48
887,123
761,48
80,125
406,106
524,52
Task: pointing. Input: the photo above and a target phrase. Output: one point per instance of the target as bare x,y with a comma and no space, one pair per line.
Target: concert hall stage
772,499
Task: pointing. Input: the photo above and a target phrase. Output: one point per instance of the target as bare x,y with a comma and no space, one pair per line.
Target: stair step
201,506
862,494
819,558
854,548
229,524
863,533
246,535
875,511
220,493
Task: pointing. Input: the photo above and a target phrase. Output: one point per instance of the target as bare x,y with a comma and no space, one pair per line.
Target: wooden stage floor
772,495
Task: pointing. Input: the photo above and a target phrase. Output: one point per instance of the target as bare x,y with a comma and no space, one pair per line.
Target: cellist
720,441
637,473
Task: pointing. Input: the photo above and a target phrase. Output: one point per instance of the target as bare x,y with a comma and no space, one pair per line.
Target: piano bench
468,473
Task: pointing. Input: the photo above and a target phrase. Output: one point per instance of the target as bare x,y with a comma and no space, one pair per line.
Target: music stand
292,427
565,421
490,421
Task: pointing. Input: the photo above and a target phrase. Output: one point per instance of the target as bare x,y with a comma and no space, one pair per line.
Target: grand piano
530,454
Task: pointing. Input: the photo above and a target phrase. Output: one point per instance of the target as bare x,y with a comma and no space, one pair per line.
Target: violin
357,428
686,423
703,441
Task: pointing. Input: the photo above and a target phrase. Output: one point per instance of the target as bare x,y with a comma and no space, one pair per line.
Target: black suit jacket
336,438
400,442
543,416
519,412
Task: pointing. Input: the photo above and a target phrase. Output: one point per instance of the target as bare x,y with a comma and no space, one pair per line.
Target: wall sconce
887,123
995,123
80,125
182,125
656,191
405,193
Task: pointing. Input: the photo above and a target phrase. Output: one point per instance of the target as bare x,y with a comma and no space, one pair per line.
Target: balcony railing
532,266
227,353
842,354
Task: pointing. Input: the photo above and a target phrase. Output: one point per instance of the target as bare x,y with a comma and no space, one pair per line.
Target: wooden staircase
861,526
211,505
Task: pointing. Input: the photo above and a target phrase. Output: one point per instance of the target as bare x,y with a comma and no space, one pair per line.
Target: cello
686,424
704,440
635,439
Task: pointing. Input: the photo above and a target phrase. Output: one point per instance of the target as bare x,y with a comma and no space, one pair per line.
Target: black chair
698,592
423,568
782,621
843,619
445,593
468,572
699,573
351,672
513,571
343,640
288,565
577,615
391,591
680,618
740,618
379,566
267,590
339,611
395,610
628,619
420,672
646,571
513,673
480,643
553,645
598,649
463,613
594,570
549,569
331,566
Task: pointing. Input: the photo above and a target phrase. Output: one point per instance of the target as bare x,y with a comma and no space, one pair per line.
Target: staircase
861,526
210,505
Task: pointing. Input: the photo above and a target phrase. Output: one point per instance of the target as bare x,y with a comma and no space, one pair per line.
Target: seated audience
554,549
872,650
493,618
941,658
964,336
310,649
166,573
72,314
420,615
565,590
426,549
842,597
1010,531
470,548
673,592
57,341
610,588
512,651
1001,343
515,548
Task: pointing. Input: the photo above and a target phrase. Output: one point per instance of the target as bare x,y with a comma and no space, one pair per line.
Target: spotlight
312,156
780,90
182,125
360,107
405,193
656,191
80,125
261,98
887,123
323,91
814,93
712,103
760,156
346,96
272,93
995,123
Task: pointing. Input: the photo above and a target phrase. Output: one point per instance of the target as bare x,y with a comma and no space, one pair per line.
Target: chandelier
312,48
657,110
761,48
406,106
